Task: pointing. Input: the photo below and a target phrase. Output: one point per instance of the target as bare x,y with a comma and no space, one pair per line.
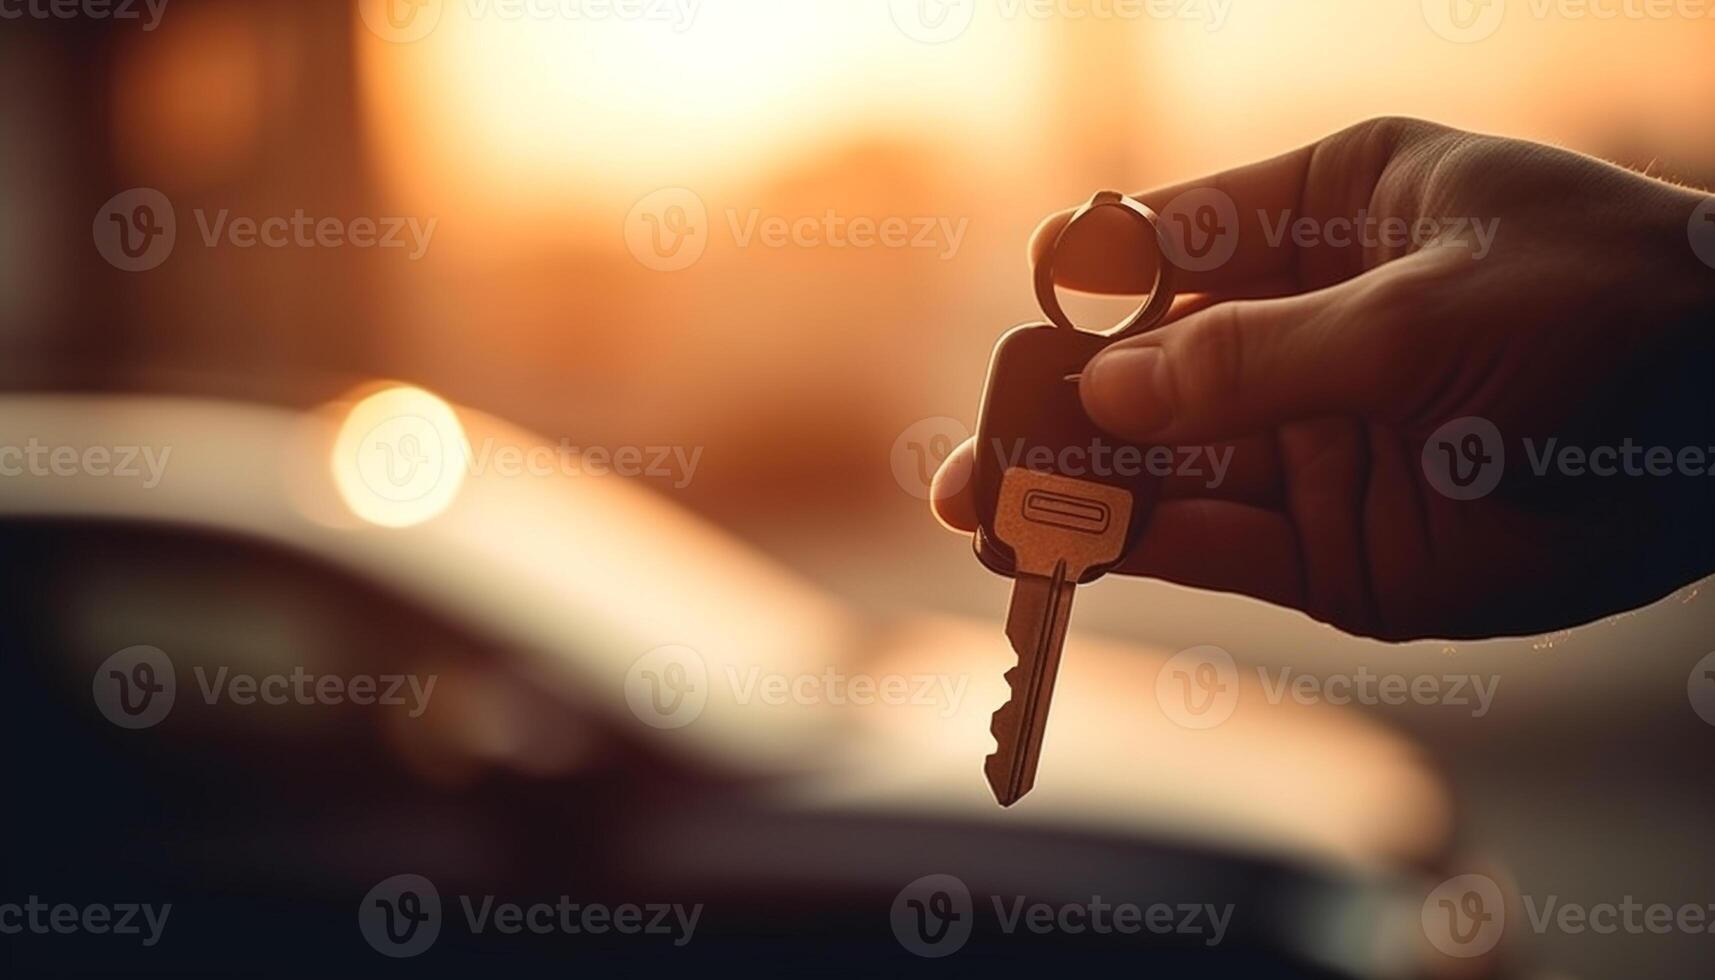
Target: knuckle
1391,131
1403,336
1210,359
1388,297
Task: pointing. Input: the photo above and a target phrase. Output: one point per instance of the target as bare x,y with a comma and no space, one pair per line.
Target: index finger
1108,253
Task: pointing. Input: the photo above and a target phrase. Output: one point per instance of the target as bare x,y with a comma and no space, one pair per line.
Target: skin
1328,369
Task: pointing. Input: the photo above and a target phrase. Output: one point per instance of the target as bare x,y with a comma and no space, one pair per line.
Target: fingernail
1124,390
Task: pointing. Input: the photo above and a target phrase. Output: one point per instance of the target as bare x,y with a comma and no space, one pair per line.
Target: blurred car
552,756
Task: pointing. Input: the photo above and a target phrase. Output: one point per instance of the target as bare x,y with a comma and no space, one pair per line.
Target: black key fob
1032,418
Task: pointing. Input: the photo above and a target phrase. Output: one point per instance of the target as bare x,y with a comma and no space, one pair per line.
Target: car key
1050,514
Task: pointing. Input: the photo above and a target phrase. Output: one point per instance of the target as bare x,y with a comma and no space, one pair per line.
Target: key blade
1058,528
1036,625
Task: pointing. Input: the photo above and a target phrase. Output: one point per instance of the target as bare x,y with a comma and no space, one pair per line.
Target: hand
1557,297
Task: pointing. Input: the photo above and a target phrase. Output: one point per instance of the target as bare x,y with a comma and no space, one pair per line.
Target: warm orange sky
581,110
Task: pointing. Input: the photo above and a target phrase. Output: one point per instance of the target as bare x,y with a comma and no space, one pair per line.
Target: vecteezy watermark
405,21
39,460
136,231
1374,231
36,917
932,21
406,459
1103,459
933,917
300,230
1628,915
1465,458
1469,21
1464,21
403,916
670,686
1702,232
1700,689
1199,688
940,21
149,12
938,234
137,687
676,465
1201,230
670,229
920,450
1627,459
1474,692
1466,916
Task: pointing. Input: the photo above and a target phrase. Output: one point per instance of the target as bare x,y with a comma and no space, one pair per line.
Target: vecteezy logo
400,21
1702,232
668,230
932,917
1700,688
933,21
403,459
401,917
668,687
1201,229
1465,459
135,687
135,230
1198,688
1464,917
1464,21
921,449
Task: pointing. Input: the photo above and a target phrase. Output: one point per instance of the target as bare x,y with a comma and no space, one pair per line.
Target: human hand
1557,298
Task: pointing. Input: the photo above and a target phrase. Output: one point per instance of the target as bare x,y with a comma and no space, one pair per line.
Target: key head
1050,520
1032,419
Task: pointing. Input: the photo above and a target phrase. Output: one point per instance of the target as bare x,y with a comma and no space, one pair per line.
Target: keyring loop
1160,295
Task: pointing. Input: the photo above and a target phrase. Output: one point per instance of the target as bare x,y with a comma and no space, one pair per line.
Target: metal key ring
1160,295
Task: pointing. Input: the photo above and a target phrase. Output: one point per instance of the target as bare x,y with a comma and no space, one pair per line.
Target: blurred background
553,292
528,141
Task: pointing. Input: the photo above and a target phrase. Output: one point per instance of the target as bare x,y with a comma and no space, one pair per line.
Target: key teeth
1012,678
1005,720
999,722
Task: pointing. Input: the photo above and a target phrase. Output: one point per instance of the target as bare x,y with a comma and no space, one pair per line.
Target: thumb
1239,368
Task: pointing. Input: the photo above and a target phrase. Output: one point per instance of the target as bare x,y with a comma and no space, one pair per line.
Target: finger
1241,368
1189,304
1186,304
1329,462
1109,252
950,493
1245,471
1222,546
